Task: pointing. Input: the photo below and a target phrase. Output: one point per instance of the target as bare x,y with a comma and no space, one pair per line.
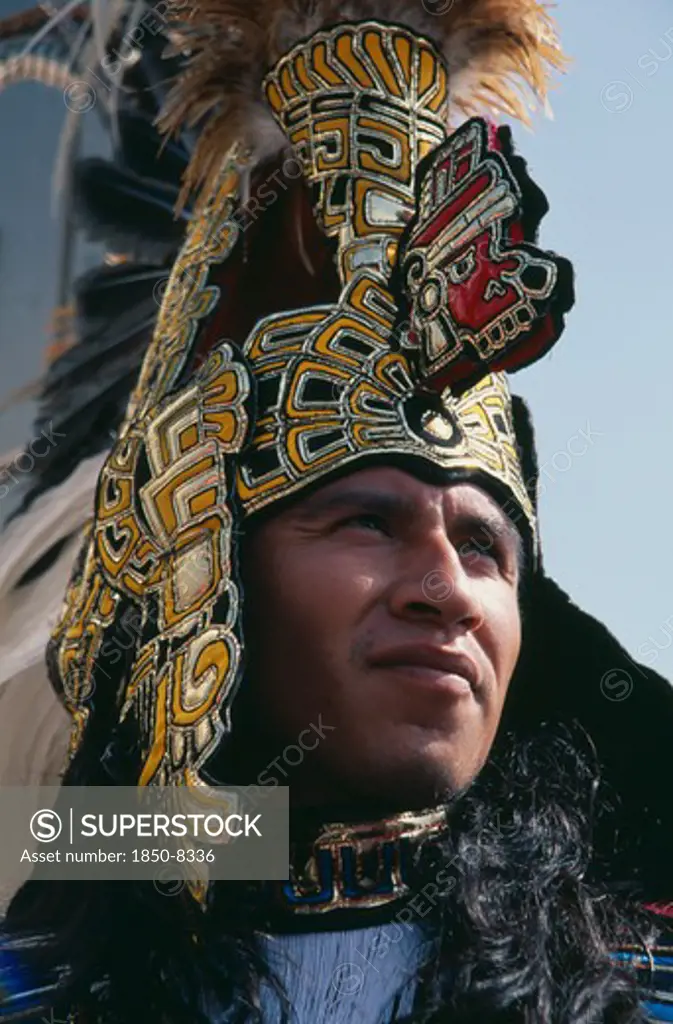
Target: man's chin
404,770
417,791
403,785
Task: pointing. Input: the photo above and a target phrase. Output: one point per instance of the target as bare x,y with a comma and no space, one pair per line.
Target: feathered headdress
275,364
500,54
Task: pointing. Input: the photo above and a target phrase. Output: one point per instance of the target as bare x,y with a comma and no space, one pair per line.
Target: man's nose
434,587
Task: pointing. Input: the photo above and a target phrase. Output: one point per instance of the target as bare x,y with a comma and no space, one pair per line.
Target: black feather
127,213
86,390
143,151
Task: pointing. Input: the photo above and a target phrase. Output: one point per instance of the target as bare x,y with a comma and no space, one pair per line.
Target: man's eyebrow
385,502
497,523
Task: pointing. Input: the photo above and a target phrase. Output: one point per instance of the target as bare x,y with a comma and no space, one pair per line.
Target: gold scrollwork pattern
170,542
361,866
187,668
162,543
189,297
331,404
75,648
362,105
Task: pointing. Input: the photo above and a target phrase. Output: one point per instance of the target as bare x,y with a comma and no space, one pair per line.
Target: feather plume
128,213
500,55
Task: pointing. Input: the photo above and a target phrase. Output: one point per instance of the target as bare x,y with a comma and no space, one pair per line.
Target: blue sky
604,162
602,400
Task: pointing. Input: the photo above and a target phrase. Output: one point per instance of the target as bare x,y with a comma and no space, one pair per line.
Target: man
319,523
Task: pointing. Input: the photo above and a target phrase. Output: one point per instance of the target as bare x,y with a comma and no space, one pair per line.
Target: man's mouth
424,662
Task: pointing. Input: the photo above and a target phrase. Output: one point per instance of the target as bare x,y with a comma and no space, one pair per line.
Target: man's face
384,611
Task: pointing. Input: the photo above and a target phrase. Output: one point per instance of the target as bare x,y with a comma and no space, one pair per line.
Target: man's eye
367,521
481,547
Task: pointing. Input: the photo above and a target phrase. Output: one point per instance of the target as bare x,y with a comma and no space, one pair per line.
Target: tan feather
500,54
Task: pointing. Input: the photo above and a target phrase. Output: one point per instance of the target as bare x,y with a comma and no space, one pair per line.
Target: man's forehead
405,488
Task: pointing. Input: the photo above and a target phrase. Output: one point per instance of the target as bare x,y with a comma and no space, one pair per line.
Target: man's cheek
500,634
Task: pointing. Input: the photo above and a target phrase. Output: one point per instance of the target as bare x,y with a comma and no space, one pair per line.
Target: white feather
35,726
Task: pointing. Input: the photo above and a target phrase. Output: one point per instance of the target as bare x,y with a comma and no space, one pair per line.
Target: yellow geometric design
330,408
162,542
362,105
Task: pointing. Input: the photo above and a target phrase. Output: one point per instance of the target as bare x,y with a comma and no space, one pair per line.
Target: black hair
525,934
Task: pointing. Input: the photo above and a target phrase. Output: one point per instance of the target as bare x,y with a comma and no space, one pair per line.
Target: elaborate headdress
439,283
354,284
